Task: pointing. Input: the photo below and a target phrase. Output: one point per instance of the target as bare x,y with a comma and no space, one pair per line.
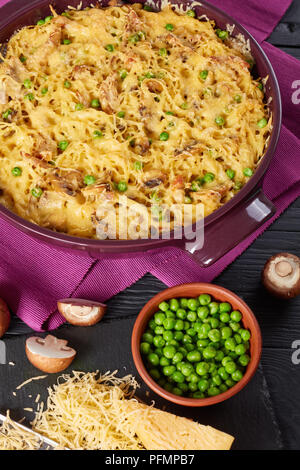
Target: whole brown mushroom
281,275
4,318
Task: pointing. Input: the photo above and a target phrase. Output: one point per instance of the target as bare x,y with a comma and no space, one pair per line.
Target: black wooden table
266,414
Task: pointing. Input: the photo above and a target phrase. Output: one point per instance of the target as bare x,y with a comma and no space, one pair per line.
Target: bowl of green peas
196,344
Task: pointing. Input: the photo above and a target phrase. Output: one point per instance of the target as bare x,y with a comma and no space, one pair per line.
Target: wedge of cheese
159,430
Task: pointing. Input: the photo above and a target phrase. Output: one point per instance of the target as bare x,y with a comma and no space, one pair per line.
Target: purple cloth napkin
33,276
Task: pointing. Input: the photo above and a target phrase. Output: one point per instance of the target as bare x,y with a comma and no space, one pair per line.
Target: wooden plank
283,378
107,347
293,13
286,34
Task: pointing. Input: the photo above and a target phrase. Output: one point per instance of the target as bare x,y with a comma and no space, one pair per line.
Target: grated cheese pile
88,411
12,437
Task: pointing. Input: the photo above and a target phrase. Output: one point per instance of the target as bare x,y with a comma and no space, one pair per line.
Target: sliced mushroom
51,355
4,318
281,275
81,312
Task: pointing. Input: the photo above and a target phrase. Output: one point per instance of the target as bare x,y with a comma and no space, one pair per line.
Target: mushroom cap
4,318
50,355
281,275
81,312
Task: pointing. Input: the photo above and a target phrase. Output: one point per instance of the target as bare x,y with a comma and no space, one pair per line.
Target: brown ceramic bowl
193,290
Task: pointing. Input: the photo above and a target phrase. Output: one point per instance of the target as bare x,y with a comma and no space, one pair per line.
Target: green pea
222,34
203,74
41,22
245,335
219,356
79,106
169,323
214,335
179,325
27,83
178,356
187,339
164,136
191,316
214,308
123,74
244,360
89,180
169,27
163,361
226,332
155,374
63,145
184,106
169,352
177,391
230,173
169,370
209,352
67,84
158,341
262,123
248,172
234,326
193,304
181,313
147,338
193,386
220,121
237,338
16,171
23,59
159,318
145,348
203,333
202,312
238,98
194,356
170,314
203,385
237,375
214,322
48,19
153,359
163,52
191,13
174,305
216,380
122,186
44,91
178,335
230,367
95,103
229,382
223,388
37,192
240,349
183,303
208,177
121,114
225,307
202,368
29,96
204,299
224,317
110,47
187,369
223,373
159,330
152,324
225,360
183,387
178,377
230,344
213,391
164,306
67,42
168,335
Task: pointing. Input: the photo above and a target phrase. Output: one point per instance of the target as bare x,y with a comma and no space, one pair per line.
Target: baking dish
224,228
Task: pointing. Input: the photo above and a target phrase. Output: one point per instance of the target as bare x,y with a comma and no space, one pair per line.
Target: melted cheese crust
53,130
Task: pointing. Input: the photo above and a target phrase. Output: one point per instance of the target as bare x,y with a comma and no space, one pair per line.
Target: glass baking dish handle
227,232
